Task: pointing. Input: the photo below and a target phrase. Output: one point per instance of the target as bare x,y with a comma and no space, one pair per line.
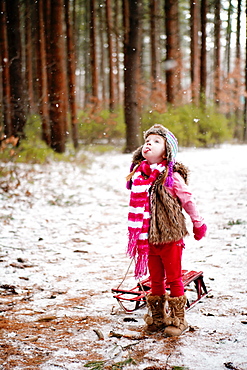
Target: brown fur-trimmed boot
176,321
155,322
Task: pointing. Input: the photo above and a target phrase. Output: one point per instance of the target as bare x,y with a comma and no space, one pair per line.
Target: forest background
82,72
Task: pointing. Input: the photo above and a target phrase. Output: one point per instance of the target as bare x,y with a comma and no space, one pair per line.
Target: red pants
164,262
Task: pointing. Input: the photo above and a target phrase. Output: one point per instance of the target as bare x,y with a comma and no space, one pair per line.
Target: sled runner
135,298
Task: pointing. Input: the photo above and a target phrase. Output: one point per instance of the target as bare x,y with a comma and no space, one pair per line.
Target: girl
156,226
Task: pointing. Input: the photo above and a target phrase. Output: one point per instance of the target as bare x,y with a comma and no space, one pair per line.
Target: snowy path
62,249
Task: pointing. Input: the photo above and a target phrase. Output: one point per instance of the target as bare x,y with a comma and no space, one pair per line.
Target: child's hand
199,232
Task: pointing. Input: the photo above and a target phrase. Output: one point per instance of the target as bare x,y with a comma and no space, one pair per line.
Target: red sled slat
135,298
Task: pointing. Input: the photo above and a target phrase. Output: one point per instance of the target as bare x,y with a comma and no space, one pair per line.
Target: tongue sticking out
146,150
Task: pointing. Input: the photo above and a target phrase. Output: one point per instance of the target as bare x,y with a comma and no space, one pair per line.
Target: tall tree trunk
71,73
93,54
29,58
132,45
217,40
227,61
109,30
237,73
58,87
245,77
203,71
85,4
6,103
238,54
154,35
42,76
117,38
103,57
48,51
228,36
15,59
173,56
195,53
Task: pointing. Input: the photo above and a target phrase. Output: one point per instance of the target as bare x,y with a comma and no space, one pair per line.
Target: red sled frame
137,295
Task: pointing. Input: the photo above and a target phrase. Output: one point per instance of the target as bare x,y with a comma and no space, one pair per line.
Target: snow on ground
62,249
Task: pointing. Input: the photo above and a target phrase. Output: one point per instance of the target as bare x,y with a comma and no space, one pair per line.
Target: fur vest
167,223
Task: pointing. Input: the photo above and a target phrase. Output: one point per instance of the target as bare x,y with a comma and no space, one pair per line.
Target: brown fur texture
137,156
155,322
167,222
182,170
177,314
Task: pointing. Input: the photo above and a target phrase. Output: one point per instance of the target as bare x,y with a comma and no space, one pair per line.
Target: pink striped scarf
139,214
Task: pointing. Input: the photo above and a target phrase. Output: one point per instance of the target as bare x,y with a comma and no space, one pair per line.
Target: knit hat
171,148
171,141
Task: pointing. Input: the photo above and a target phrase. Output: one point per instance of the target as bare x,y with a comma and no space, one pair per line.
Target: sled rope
145,294
121,282
139,281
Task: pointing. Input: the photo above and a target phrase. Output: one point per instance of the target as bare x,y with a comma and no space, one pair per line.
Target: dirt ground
62,249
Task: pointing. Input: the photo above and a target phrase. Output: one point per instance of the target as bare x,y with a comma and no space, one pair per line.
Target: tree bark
15,68
71,74
103,56
203,70
238,74
43,100
58,86
195,53
6,103
29,58
93,54
228,37
245,78
86,57
238,53
217,39
173,55
117,38
132,44
109,30
154,36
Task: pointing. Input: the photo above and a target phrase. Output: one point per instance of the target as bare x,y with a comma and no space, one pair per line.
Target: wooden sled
135,298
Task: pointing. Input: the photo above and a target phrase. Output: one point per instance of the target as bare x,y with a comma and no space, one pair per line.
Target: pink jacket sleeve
182,191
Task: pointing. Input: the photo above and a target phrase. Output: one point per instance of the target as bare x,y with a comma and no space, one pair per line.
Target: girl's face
154,149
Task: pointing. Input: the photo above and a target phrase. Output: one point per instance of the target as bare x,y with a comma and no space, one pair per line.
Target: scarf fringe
132,244
141,267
